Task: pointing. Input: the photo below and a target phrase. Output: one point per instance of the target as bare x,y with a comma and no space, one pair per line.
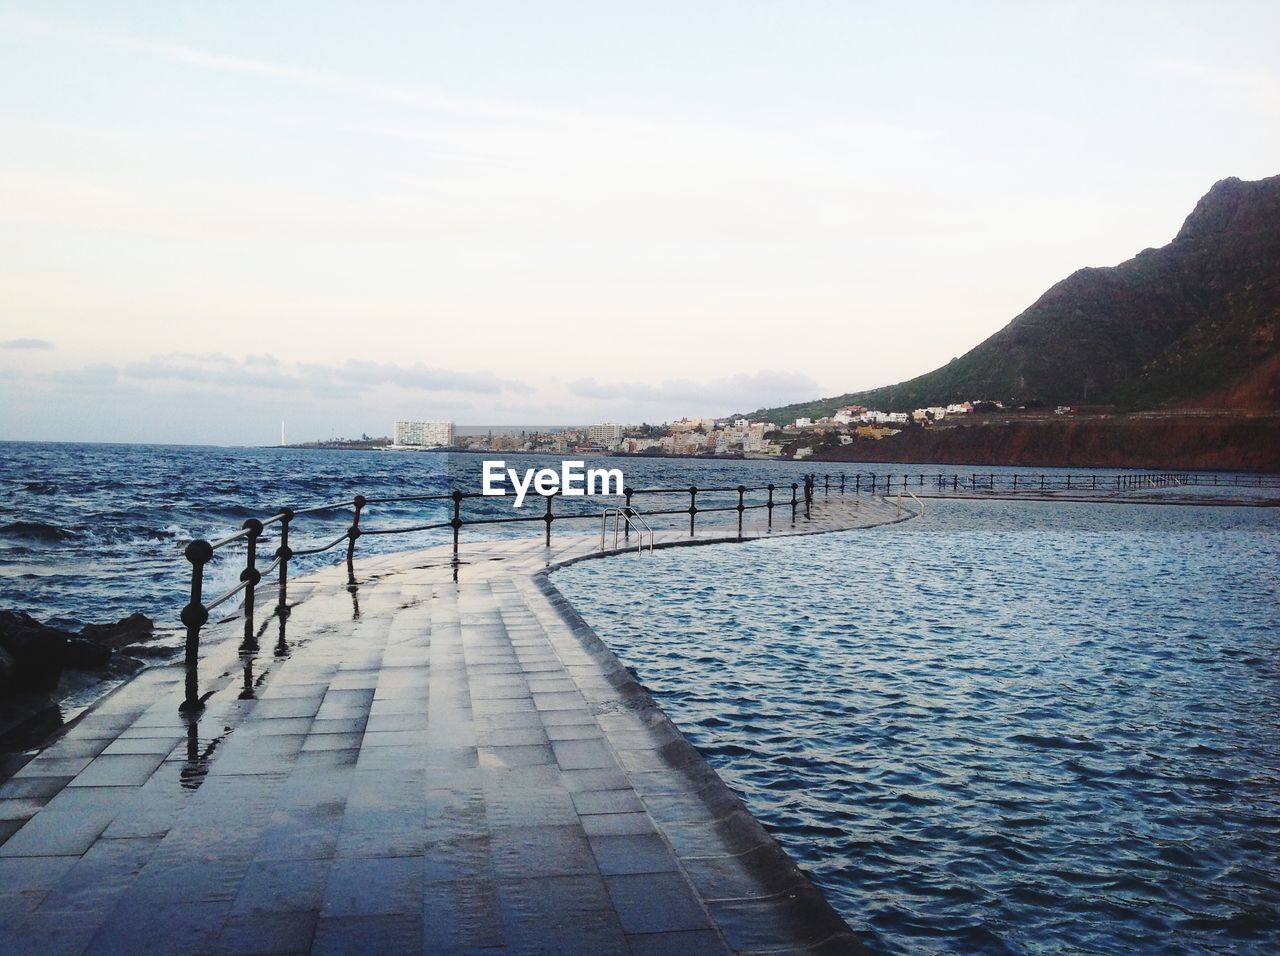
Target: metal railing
627,518
957,482
768,497
199,553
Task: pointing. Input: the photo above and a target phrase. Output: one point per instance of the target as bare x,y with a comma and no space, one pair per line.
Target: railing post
769,507
456,521
284,553
549,517
194,616
693,507
742,491
352,534
250,576
626,525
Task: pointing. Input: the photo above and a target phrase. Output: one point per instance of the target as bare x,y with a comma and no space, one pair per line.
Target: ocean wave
35,531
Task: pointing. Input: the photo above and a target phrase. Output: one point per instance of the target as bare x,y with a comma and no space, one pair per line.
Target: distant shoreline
1200,442
540,453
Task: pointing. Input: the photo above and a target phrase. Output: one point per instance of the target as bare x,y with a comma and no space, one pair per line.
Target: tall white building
424,434
605,436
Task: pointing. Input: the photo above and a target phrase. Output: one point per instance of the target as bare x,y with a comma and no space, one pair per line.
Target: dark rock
133,629
7,667
37,651
147,650
86,655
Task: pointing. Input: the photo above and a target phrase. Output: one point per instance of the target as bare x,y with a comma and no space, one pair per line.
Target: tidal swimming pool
1004,727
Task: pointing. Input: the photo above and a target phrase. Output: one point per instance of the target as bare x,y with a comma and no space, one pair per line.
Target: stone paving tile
607,801
19,808
541,851
567,914
618,854
260,934
656,903
48,934
274,887
55,833
462,916
373,887
617,824
27,787
383,933
100,877
703,941
181,928
119,770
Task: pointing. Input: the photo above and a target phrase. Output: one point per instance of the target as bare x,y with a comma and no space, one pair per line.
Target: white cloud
349,378
26,344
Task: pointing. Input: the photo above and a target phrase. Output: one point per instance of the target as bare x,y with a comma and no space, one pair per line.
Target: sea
1003,727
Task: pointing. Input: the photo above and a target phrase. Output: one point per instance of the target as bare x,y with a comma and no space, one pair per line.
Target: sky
215,217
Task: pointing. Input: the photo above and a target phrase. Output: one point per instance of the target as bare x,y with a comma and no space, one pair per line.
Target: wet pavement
412,764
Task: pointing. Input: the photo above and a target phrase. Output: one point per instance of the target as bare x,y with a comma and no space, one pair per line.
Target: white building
753,439
424,434
604,436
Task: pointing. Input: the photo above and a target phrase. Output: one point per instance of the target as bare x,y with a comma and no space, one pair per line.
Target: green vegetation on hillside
1196,320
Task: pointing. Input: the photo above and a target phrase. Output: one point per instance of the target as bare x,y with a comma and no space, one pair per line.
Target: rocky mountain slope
1193,323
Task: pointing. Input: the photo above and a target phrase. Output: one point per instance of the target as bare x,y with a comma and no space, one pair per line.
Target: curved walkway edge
441,758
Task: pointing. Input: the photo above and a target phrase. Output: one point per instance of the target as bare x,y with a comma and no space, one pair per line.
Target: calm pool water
1007,727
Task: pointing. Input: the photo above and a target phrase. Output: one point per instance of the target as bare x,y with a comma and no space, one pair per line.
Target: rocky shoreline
47,672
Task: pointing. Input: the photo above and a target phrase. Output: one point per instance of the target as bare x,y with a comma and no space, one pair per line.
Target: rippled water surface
1006,727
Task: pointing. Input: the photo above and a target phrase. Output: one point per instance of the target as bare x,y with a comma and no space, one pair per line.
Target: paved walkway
417,765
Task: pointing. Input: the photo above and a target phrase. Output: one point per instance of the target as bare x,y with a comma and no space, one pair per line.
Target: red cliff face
1212,442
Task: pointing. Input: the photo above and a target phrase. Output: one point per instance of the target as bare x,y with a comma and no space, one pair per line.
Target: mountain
1193,323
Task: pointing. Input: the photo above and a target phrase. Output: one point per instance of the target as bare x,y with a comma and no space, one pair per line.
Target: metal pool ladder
629,519
917,501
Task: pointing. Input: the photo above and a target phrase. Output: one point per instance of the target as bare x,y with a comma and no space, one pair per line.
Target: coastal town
687,437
